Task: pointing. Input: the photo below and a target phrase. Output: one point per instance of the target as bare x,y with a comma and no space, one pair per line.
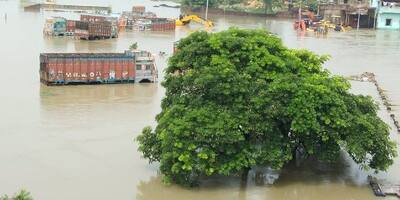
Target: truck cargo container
81,29
93,18
93,30
70,27
162,24
86,68
102,18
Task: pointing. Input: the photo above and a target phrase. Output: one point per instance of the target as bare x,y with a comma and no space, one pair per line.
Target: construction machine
183,20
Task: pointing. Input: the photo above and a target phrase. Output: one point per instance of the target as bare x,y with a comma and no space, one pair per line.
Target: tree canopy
240,98
21,195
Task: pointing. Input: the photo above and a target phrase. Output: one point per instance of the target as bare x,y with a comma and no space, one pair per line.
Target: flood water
76,142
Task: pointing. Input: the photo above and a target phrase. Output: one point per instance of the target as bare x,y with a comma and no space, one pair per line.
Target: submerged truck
93,30
101,19
90,68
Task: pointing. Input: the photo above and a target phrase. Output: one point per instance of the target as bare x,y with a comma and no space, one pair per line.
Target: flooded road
77,142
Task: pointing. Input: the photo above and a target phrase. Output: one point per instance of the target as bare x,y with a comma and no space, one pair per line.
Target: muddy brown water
77,142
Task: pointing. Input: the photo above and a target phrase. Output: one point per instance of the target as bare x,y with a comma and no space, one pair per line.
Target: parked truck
102,18
59,26
87,68
93,30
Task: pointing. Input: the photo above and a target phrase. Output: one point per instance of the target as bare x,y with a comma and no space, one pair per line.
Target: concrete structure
347,11
49,6
387,14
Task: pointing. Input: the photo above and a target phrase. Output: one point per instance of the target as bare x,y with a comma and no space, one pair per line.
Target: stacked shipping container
67,68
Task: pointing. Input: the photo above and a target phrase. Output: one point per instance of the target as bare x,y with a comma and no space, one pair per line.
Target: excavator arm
187,19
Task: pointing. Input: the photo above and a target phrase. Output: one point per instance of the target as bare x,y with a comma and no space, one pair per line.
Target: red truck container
93,30
71,27
162,24
67,68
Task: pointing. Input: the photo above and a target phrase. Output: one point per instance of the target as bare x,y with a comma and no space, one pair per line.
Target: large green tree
240,98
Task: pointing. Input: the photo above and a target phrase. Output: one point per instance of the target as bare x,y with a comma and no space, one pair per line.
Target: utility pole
298,29
358,20
376,13
207,10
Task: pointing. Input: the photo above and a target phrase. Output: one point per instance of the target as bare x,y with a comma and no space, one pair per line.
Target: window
138,67
345,1
148,67
388,22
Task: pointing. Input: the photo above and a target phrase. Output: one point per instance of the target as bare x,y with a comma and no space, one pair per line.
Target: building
349,12
387,14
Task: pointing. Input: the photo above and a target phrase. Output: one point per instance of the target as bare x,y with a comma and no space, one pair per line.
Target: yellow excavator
183,20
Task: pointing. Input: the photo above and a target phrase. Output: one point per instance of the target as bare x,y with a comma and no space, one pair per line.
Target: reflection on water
310,180
76,142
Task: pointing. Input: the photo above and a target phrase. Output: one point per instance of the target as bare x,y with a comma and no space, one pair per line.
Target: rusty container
84,69
82,29
67,68
100,30
105,69
93,18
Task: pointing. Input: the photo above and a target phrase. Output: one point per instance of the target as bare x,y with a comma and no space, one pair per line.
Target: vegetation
267,6
255,6
22,195
239,99
311,5
200,3
133,46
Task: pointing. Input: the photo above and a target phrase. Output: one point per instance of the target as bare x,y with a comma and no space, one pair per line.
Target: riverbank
255,12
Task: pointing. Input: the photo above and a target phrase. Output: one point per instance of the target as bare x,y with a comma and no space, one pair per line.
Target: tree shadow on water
216,187
311,171
309,179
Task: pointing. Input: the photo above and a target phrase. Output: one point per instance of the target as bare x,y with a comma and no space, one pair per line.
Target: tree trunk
244,178
243,183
